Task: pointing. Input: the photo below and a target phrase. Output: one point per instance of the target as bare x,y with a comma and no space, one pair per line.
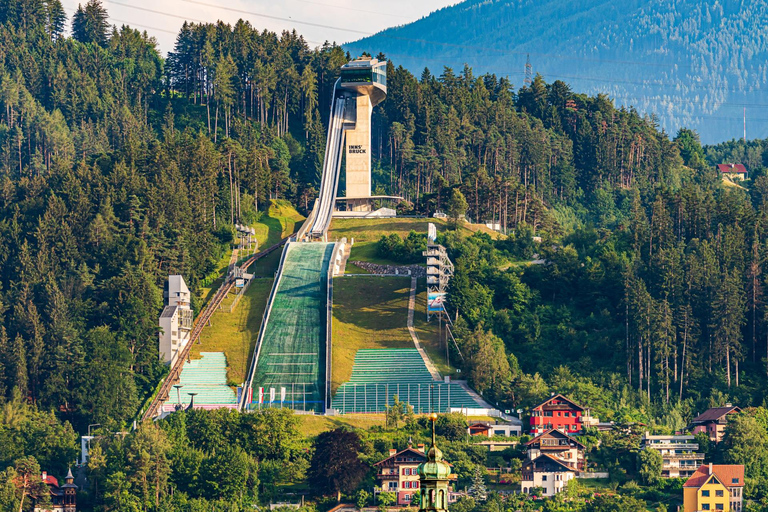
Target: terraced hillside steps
208,378
380,374
293,346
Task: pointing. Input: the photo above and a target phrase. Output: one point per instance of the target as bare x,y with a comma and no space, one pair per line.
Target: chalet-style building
736,171
713,421
679,456
545,472
63,497
398,473
556,412
559,446
486,429
714,487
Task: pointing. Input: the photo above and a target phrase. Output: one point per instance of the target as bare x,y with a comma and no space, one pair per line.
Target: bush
393,247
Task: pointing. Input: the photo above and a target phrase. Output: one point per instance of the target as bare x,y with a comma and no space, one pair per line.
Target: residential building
559,446
736,171
556,412
679,454
713,421
714,487
399,474
487,429
64,497
175,320
547,473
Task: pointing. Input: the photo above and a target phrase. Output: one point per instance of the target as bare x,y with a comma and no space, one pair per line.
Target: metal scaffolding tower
439,273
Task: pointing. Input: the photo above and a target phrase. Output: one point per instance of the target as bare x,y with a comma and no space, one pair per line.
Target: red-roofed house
64,497
737,171
557,412
713,421
714,487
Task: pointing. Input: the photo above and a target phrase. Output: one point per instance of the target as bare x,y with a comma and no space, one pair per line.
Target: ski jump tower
361,86
364,84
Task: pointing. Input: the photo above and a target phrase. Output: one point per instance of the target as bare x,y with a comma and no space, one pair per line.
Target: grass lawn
280,221
314,425
429,336
354,269
367,232
368,312
235,333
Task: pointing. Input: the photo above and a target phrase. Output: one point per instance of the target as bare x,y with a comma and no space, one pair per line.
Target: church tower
433,478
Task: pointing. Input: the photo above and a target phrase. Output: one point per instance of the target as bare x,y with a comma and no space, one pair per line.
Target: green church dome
435,468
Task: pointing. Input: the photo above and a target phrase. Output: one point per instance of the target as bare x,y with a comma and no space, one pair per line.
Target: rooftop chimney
710,468
392,451
729,404
44,475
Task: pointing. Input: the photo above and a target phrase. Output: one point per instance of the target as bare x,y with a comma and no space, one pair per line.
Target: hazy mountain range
692,63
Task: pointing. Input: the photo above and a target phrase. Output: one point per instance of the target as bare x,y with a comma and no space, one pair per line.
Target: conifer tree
90,24
478,491
57,19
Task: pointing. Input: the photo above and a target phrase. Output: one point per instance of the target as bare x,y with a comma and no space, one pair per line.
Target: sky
318,21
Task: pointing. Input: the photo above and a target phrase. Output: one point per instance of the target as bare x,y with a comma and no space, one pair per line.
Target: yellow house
714,487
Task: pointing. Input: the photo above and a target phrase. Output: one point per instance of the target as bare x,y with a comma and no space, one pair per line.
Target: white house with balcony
680,458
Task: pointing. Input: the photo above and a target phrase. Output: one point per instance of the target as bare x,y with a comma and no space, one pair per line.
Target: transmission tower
528,71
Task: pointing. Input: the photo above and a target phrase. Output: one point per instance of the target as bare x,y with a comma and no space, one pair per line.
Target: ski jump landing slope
291,352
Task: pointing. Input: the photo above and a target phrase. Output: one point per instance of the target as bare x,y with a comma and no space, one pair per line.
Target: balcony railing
682,456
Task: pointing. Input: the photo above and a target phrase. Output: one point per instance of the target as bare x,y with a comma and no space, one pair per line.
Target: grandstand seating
292,354
208,378
380,374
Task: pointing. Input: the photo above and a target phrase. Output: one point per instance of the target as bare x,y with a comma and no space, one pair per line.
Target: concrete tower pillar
358,156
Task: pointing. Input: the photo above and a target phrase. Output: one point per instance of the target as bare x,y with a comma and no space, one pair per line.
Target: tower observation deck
361,86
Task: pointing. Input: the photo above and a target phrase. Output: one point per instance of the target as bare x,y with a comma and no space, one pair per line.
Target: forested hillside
120,167
689,63
647,301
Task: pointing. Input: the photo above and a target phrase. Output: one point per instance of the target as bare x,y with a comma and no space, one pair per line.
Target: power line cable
355,9
278,18
550,75
426,41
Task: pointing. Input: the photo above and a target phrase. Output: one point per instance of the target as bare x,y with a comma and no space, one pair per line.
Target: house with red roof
737,171
63,497
713,421
557,412
714,487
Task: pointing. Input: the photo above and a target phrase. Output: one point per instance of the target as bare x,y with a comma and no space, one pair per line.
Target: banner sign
435,302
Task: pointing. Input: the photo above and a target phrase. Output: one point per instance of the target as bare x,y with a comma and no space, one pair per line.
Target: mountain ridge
691,64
